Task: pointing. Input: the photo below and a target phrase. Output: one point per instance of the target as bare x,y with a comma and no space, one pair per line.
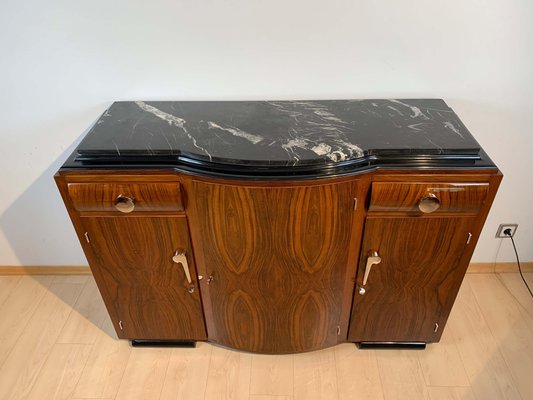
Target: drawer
427,197
126,198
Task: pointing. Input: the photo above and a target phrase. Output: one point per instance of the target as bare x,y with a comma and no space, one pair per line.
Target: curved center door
276,261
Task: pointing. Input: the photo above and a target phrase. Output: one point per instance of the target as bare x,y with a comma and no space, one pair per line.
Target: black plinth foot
163,343
391,345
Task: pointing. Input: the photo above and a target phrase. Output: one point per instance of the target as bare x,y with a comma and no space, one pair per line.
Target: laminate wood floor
57,342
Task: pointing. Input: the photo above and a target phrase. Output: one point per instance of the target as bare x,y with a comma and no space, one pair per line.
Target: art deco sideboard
279,227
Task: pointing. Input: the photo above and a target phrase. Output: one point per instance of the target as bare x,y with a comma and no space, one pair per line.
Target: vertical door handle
373,258
180,258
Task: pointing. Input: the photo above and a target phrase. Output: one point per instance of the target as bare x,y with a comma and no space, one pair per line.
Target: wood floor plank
85,322
485,366
60,372
105,367
229,375
403,391
401,375
315,376
489,339
514,284
186,376
272,374
18,308
357,373
74,279
144,375
509,327
7,283
450,393
23,365
441,363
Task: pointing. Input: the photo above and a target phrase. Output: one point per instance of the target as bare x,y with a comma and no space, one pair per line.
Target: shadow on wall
39,232
37,225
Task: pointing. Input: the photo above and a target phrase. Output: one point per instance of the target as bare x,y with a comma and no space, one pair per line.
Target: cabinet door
408,290
277,257
151,293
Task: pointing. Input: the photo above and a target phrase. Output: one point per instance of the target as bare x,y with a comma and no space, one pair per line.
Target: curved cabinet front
276,260
271,266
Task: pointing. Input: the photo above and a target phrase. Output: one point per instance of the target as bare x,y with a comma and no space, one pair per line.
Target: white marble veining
116,147
236,132
172,120
279,133
452,127
321,149
395,109
318,127
416,111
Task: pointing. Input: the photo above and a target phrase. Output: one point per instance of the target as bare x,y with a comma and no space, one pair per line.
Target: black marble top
248,136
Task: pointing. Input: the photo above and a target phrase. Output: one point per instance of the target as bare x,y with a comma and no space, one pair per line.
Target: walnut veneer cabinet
279,227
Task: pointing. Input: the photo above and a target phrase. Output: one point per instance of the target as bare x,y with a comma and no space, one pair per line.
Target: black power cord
508,233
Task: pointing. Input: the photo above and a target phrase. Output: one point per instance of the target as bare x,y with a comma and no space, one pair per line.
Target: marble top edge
286,132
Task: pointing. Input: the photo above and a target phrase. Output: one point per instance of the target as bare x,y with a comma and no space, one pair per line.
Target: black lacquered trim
163,343
282,172
392,345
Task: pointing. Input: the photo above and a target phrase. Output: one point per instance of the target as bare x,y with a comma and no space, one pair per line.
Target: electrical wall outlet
503,227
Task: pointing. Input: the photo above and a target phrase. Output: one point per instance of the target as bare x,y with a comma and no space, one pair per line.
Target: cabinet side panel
494,184
80,232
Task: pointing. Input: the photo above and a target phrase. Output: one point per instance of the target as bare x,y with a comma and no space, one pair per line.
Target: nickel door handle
373,258
181,258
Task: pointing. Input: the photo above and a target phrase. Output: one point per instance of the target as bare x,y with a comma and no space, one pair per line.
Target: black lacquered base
163,343
391,345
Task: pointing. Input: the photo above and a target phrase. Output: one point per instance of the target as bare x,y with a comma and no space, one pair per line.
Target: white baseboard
473,268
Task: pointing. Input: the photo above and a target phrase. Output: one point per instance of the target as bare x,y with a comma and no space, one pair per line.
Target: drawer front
126,198
427,198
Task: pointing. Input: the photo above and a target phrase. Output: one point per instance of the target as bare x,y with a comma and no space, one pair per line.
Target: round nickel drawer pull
429,203
124,204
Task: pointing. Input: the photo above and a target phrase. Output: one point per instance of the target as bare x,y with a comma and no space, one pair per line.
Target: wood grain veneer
278,260
406,292
146,196
149,291
405,196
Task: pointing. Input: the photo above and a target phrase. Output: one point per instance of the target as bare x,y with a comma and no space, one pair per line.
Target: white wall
63,62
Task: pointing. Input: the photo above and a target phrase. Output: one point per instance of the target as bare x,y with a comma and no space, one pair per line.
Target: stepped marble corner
265,135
